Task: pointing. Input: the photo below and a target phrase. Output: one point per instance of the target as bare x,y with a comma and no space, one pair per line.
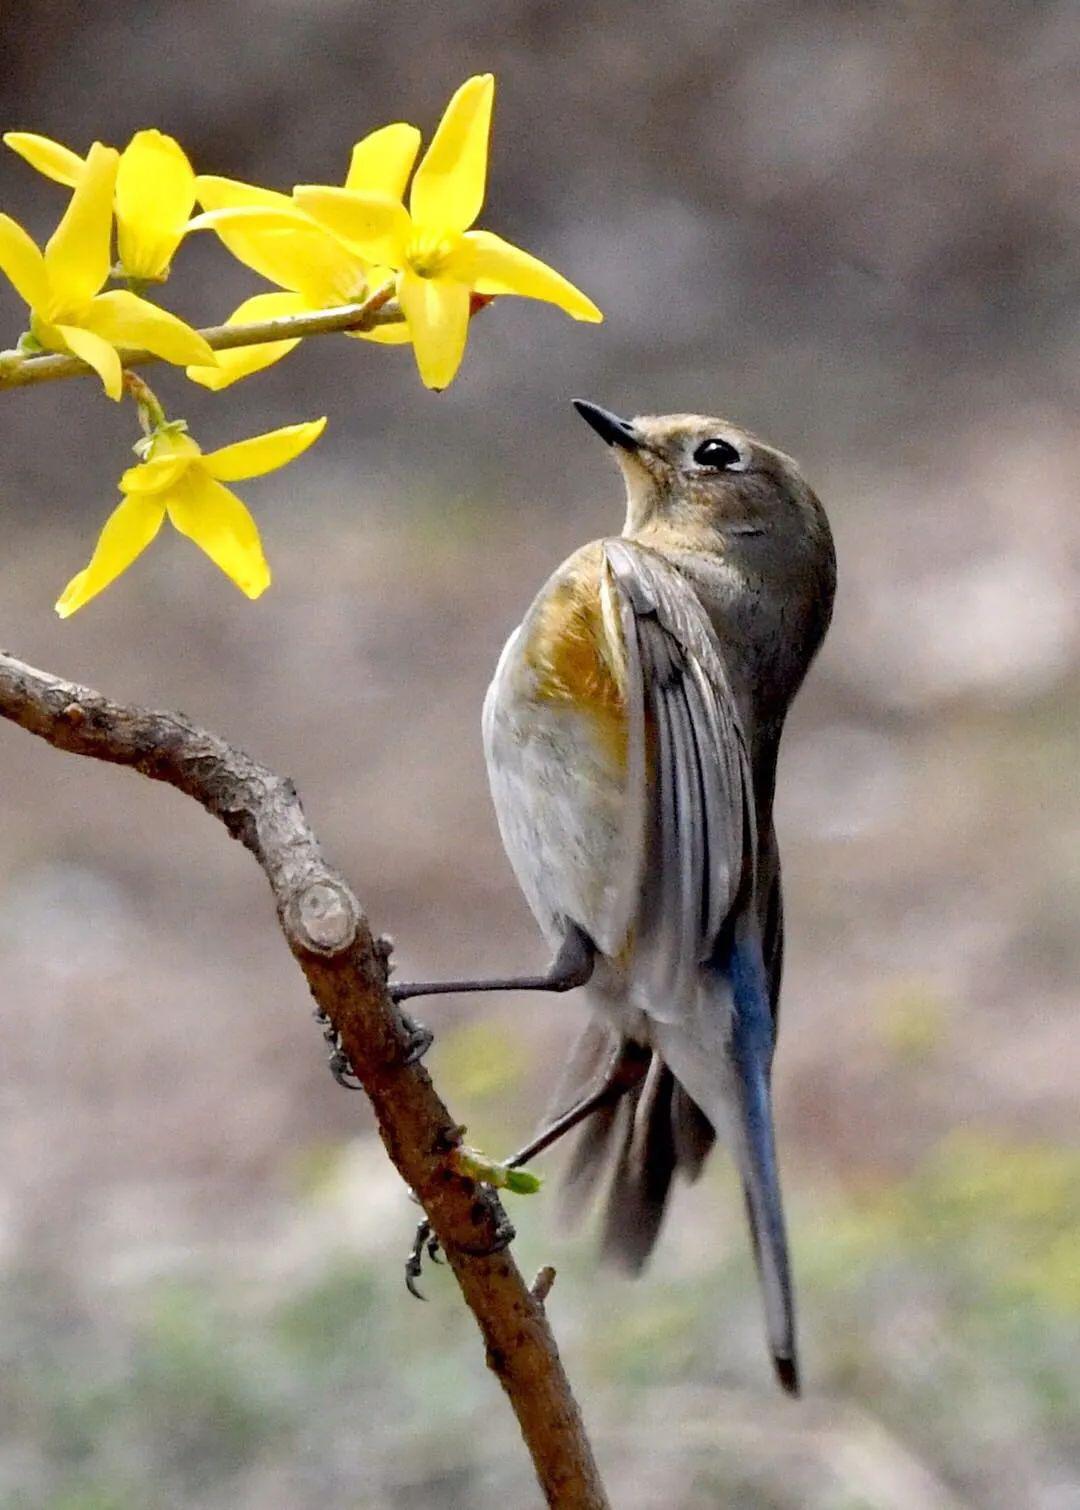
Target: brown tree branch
346,973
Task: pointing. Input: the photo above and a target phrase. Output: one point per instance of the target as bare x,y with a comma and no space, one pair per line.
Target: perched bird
631,733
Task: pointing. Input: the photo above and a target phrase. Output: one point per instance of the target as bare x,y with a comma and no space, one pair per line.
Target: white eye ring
715,454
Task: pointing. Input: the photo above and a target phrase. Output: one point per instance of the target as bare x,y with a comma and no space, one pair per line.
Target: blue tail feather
752,1042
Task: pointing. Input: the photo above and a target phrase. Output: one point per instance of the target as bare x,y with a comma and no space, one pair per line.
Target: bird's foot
501,1238
338,1061
425,1241
420,1039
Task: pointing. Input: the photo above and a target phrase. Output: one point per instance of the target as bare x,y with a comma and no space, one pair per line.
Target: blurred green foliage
945,1303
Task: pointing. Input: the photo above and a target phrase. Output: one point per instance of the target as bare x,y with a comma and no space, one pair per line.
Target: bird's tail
756,1155
750,1052
669,1120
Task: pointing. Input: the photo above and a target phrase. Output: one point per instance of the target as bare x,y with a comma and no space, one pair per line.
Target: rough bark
346,972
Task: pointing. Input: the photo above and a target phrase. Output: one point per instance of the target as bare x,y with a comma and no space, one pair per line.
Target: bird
631,733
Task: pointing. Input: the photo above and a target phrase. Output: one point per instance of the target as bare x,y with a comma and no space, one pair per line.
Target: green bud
522,1181
477,1166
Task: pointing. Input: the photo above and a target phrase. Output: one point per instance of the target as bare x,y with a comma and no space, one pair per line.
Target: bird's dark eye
717,453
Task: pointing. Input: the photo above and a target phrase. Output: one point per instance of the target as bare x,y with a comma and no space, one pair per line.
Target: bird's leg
572,966
629,1071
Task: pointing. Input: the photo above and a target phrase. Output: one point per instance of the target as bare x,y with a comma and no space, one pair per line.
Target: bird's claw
420,1040
343,1071
338,1061
425,1240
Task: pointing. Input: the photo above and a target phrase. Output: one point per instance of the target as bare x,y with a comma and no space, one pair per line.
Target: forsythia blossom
438,259
324,248
313,267
61,286
155,190
175,478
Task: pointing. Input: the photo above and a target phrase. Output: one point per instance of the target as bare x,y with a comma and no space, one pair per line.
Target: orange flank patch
571,655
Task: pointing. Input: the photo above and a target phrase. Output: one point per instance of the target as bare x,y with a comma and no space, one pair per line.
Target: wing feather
698,834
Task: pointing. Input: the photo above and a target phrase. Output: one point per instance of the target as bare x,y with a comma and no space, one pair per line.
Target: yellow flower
67,313
176,479
155,190
314,269
439,260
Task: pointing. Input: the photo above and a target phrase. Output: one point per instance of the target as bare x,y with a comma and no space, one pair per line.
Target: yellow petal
171,453
499,268
96,353
382,162
47,156
215,193
155,475
219,524
437,310
77,256
263,453
290,249
155,190
391,334
374,225
177,453
126,320
283,215
22,264
128,530
249,234
242,361
448,189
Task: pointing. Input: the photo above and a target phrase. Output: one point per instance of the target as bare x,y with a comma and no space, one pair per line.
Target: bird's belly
559,795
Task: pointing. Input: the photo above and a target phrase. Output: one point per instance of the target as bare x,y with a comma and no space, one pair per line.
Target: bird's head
693,482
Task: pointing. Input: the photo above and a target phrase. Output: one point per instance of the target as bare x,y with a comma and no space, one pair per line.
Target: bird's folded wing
692,829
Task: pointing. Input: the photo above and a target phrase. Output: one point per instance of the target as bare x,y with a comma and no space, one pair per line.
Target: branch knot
322,917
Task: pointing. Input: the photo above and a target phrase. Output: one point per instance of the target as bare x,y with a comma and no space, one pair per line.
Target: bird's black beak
609,427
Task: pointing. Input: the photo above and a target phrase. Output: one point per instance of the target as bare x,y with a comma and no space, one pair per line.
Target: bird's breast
572,653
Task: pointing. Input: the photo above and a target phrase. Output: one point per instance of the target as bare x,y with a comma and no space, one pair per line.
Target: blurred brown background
852,227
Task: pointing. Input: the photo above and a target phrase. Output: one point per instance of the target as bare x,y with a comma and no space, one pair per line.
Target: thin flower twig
151,414
18,371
